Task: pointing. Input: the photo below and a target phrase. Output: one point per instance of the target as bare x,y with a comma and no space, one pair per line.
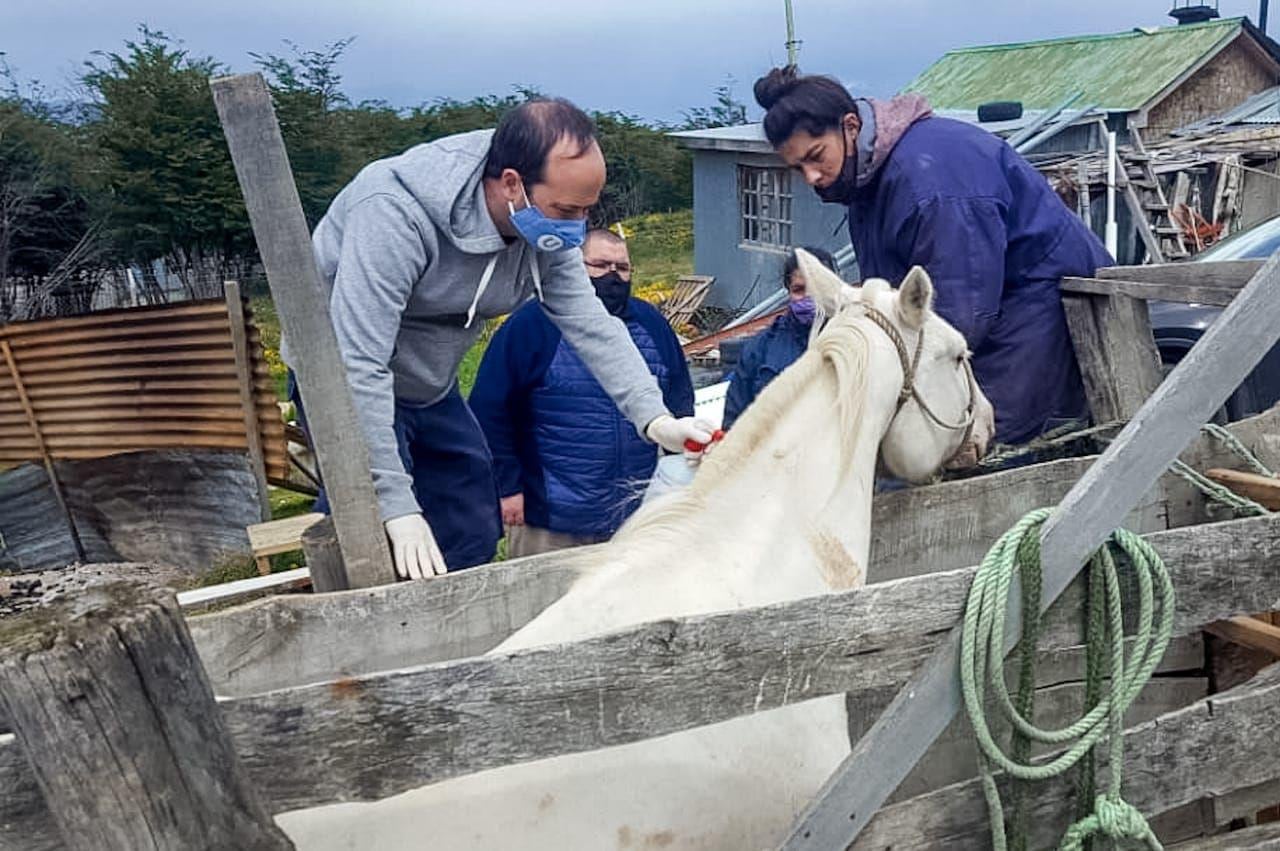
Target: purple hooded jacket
995,239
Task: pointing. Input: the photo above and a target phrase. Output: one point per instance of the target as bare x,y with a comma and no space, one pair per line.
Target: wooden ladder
1151,211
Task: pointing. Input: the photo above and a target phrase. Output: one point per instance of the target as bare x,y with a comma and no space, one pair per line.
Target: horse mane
843,348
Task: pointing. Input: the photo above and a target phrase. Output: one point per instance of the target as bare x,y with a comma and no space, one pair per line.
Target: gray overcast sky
651,58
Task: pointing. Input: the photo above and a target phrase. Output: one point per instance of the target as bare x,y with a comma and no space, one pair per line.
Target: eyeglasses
604,267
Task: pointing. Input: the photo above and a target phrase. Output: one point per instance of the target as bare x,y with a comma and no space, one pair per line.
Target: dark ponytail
793,101
793,263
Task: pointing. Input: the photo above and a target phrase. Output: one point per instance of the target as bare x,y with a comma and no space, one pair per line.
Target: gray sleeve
600,339
383,255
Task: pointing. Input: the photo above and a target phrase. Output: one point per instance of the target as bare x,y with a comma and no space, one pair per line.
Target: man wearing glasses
569,467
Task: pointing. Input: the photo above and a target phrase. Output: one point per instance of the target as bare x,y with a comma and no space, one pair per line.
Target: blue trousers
444,450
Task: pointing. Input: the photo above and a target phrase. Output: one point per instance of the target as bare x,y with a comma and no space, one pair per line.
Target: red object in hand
694,446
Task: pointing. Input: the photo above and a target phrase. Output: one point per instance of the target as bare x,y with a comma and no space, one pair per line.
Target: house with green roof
749,210
1154,78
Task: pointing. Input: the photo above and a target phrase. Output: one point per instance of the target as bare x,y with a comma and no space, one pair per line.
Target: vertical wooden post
110,704
1116,351
280,228
324,559
34,423
244,372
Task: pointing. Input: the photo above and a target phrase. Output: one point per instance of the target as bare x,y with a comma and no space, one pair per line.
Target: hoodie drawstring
484,285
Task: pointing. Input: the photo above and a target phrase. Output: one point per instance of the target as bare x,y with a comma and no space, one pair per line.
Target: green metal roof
1121,71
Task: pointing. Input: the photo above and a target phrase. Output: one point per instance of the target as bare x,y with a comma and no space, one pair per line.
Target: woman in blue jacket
779,345
957,200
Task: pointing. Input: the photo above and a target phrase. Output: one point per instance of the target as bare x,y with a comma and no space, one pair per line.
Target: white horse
781,510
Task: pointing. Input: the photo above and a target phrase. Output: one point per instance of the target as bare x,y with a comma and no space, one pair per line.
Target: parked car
1177,327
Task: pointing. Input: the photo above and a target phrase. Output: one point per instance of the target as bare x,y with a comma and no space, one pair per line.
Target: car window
1257,243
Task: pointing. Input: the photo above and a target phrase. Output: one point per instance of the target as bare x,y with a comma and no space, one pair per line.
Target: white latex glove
671,433
413,547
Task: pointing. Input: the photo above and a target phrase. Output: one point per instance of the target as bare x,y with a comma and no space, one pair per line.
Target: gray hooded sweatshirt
415,264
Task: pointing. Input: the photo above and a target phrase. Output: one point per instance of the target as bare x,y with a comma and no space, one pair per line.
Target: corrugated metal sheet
125,380
1119,72
1262,108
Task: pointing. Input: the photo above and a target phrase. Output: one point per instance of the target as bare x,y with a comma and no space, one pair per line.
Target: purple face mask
803,310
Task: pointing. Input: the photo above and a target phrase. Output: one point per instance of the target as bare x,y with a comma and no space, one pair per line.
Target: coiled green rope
982,669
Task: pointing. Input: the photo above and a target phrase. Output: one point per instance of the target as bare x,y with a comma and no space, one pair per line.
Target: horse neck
777,518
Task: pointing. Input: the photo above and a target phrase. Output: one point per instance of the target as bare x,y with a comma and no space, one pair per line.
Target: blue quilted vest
594,464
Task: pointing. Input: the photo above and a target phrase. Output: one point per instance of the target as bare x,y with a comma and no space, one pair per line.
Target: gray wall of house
746,274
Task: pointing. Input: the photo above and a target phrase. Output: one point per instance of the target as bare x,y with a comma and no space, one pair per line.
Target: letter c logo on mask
543,233
549,242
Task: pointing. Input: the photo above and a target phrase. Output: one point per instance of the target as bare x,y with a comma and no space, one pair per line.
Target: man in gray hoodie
417,251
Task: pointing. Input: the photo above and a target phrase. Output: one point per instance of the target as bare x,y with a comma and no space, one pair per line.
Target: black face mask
613,291
842,188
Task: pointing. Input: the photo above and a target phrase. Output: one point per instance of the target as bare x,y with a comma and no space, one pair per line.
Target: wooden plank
952,758
1218,274
244,370
33,423
1245,803
244,589
262,168
657,678
1116,350
953,524
281,536
1158,432
1264,490
1248,631
289,641
1217,745
1258,838
1184,293
324,557
105,693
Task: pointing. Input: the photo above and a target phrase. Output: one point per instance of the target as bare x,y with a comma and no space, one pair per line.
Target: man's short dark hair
526,135
608,236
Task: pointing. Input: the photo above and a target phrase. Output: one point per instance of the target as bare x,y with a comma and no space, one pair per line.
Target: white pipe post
1112,234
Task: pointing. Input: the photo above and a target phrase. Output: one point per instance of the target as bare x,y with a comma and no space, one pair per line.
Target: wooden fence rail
331,741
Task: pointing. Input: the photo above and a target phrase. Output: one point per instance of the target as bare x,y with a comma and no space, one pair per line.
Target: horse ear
821,284
915,298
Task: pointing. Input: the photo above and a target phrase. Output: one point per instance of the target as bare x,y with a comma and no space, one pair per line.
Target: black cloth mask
613,291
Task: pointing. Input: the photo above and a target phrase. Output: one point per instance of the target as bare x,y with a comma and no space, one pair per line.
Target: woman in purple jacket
957,200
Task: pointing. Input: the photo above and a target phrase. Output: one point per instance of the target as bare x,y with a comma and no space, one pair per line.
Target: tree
726,112
307,93
49,244
168,184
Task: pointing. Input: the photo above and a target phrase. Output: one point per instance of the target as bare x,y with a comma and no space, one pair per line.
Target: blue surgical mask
803,310
543,233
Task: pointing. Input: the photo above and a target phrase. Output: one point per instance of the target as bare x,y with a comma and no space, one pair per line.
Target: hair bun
773,86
